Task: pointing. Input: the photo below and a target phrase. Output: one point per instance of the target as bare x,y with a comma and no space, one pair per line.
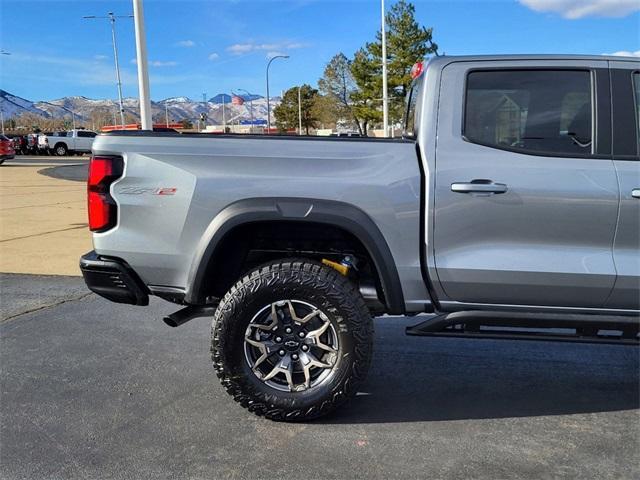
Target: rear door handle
635,193
479,186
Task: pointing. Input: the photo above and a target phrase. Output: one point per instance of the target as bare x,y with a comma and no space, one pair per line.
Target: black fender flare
340,214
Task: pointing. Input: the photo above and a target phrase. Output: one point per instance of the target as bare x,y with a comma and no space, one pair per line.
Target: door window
533,111
636,94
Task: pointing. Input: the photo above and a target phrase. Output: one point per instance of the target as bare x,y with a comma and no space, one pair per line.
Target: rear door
625,87
526,195
84,140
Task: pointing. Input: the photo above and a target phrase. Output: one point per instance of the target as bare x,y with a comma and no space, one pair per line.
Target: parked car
31,147
19,144
43,146
68,143
346,134
7,152
43,141
525,213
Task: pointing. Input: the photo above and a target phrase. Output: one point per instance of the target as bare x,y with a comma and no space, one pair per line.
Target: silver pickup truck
510,208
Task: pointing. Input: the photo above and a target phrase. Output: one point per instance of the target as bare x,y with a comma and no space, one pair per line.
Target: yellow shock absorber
342,269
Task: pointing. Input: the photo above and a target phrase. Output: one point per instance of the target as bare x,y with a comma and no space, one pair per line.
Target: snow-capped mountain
177,108
13,105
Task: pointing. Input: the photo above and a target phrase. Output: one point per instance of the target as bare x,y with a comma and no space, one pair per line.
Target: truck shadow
428,379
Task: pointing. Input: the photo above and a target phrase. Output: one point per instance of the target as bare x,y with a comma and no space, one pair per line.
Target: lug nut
281,353
278,339
294,356
301,335
305,348
288,330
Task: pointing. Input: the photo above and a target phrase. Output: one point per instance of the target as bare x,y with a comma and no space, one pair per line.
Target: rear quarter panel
158,235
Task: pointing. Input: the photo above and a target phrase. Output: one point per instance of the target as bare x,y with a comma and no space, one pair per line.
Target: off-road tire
306,281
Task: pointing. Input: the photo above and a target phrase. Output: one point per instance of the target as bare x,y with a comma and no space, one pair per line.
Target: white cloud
100,57
186,43
213,56
625,53
156,63
573,9
242,48
274,54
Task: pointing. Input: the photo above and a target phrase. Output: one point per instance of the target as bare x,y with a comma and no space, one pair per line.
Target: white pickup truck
75,141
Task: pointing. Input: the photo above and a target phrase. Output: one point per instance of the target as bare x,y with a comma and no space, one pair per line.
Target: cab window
532,111
410,124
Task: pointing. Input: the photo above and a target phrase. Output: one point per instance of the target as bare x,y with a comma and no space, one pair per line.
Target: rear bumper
113,279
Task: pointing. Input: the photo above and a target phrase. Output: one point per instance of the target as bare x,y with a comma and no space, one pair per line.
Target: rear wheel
61,149
292,340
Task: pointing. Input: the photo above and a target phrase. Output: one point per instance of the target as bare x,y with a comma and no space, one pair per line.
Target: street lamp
2,52
112,20
385,98
250,103
268,105
299,112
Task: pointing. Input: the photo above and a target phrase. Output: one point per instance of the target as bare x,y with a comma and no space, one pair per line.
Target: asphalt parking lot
95,390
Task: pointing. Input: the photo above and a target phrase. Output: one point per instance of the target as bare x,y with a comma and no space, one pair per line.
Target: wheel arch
345,216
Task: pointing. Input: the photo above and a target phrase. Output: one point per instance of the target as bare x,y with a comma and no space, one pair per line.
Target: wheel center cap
291,344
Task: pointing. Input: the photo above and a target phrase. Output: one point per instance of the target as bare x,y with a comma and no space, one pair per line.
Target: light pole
2,52
166,113
268,105
146,118
73,115
224,120
385,99
250,103
299,112
112,19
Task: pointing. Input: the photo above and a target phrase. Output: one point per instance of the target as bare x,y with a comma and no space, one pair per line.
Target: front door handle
479,186
635,193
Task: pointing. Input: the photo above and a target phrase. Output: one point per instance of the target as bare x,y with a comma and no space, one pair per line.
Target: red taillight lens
103,211
417,70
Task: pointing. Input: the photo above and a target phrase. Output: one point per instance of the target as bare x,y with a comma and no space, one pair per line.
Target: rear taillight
103,210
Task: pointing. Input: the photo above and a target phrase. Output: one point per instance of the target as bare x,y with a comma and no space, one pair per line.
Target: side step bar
531,326
189,313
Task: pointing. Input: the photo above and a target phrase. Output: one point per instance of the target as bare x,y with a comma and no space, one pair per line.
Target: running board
531,326
189,313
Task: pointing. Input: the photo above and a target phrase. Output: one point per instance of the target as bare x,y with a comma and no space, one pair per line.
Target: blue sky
216,45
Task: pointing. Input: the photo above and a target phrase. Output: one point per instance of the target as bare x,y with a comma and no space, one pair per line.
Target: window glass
86,134
412,103
636,94
543,111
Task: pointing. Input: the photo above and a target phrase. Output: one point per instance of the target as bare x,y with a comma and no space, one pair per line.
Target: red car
6,149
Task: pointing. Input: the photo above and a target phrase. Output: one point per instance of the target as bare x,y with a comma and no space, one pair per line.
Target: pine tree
286,113
407,43
366,100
